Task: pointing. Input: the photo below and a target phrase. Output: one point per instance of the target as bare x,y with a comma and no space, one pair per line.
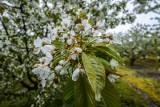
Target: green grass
143,78
144,84
129,97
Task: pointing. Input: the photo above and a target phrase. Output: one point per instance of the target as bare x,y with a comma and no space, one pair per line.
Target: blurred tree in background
139,41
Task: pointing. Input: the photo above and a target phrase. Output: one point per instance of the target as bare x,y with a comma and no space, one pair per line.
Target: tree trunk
144,57
132,60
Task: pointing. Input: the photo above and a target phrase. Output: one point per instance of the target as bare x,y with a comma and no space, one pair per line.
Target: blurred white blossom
75,74
112,77
113,63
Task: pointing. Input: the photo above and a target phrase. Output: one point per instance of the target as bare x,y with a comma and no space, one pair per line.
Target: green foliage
84,96
93,85
108,51
106,65
110,95
69,94
89,71
79,93
100,76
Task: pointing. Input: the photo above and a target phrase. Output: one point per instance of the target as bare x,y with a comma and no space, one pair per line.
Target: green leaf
83,14
84,95
57,59
100,76
108,50
106,65
110,95
89,70
68,98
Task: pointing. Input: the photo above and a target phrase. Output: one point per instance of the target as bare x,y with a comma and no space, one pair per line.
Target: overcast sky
141,19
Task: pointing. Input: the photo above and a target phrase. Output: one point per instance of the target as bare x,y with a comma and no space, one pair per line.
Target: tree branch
4,26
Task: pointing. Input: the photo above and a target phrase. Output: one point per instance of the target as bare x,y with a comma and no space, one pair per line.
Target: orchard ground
140,85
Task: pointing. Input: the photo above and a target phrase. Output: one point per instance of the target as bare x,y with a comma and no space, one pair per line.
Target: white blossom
86,25
100,24
75,74
43,72
73,56
72,33
97,33
62,72
78,50
69,41
7,3
58,67
99,40
45,60
43,82
112,77
65,35
62,62
48,60
113,63
47,49
38,42
66,21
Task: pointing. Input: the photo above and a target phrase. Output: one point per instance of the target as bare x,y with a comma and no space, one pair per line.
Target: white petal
73,56
62,62
100,24
86,25
7,3
45,72
53,37
62,72
48,54
36,70
66,21
75,74
113,63
65,35
38,42
79,50
48,60
47,48
97,33
69,41
43,82
58,67
112,77
44,75
99,40
72,33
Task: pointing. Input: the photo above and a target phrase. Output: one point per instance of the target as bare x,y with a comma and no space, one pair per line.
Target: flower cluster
67,39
